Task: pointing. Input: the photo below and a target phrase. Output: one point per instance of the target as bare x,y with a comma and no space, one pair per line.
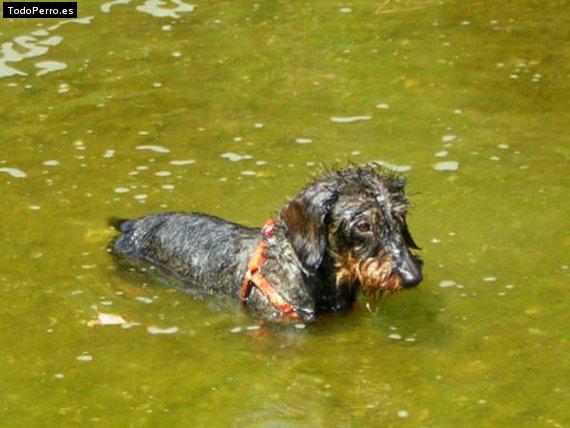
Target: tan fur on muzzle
374,275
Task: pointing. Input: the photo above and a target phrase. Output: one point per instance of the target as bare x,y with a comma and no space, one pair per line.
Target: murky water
227,107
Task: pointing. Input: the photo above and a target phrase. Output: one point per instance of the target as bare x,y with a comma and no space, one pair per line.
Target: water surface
228,108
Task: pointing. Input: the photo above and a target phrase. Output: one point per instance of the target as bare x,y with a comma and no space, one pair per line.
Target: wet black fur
313,229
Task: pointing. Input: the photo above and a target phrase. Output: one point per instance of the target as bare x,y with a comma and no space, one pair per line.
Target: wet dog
344,232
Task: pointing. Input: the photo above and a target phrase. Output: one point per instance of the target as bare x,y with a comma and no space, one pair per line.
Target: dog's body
212,254
344,232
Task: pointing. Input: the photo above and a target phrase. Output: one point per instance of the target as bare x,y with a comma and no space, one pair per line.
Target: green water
483,342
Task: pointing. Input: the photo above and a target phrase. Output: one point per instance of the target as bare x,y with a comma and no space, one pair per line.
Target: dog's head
355,218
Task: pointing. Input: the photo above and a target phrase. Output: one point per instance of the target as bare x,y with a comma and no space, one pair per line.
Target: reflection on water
153,148
157,8
106,7
14,172
35,44
49,66
349,119
229,110
39,42
393,167
447,166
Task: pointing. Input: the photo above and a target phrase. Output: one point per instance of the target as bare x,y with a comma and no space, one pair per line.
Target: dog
346,231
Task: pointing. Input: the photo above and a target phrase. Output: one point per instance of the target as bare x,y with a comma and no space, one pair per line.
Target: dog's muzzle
408,266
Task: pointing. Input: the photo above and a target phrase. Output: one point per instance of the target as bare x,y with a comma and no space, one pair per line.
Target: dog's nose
410,269
410,279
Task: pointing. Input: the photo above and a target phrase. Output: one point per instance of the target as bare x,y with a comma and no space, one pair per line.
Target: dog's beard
374,276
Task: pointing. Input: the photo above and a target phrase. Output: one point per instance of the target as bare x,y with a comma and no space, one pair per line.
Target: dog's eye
363,226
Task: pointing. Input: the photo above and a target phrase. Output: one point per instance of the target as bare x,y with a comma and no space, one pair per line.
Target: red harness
254,277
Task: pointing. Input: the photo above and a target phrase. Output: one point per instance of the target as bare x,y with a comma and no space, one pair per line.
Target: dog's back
196,248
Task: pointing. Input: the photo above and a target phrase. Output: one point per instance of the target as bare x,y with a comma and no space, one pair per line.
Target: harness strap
254,277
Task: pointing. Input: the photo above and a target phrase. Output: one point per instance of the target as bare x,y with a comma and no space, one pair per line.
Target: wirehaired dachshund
344,232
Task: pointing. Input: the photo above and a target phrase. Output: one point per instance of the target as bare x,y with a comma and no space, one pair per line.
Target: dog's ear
305,219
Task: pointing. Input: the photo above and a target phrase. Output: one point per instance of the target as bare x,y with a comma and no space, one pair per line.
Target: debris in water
103,318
